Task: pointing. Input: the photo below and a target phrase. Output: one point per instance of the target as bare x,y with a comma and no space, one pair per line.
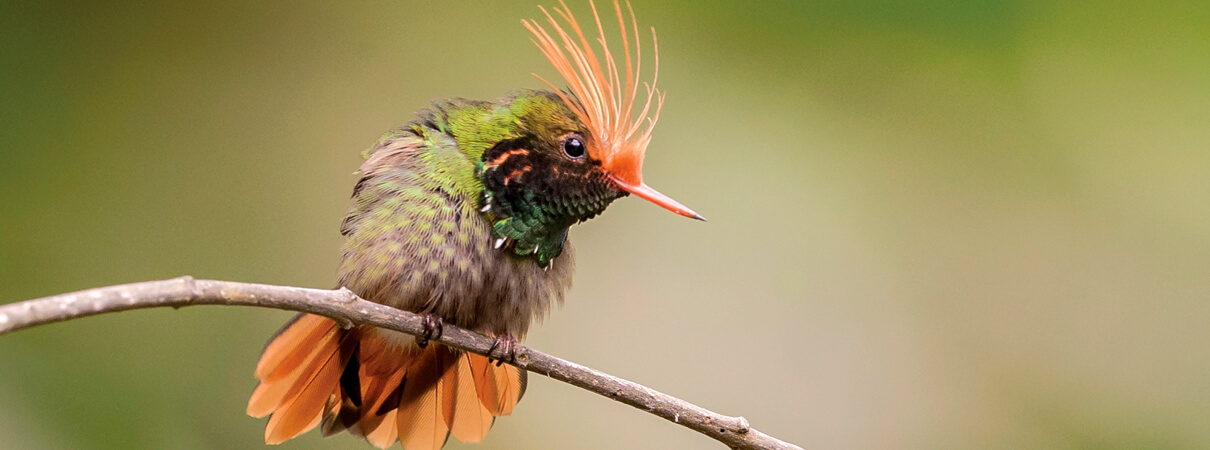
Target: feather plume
602,97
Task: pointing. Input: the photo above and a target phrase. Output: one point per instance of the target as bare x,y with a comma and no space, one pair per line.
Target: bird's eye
573,147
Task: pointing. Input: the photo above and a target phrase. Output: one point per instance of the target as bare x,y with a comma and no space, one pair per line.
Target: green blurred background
976,224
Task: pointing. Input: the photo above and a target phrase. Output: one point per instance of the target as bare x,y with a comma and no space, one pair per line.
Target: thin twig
348,309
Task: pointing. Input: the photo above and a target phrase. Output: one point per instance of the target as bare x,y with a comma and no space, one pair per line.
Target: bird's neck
524,223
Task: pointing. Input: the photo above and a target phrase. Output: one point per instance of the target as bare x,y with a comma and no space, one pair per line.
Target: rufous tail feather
363,381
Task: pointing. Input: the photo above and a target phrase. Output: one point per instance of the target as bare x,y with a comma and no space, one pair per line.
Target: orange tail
377,386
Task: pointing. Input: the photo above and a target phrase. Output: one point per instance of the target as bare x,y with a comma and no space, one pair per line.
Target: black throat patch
532,196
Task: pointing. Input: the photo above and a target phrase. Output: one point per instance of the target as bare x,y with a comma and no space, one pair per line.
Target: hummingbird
462,216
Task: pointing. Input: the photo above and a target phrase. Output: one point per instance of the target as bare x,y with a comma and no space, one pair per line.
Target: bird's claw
433,326
508,350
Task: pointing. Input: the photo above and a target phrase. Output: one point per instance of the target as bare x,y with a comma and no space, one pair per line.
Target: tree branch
348,310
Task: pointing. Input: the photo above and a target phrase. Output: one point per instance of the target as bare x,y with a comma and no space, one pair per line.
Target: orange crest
603,100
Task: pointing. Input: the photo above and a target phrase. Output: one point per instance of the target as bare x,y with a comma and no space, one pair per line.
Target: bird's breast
414,240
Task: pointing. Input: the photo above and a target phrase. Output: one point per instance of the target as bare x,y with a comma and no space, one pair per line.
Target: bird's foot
508,350
433,326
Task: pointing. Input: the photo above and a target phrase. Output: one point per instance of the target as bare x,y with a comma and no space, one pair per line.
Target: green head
551,159
541,180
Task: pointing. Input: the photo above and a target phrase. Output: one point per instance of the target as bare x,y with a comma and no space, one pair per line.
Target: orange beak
643,190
